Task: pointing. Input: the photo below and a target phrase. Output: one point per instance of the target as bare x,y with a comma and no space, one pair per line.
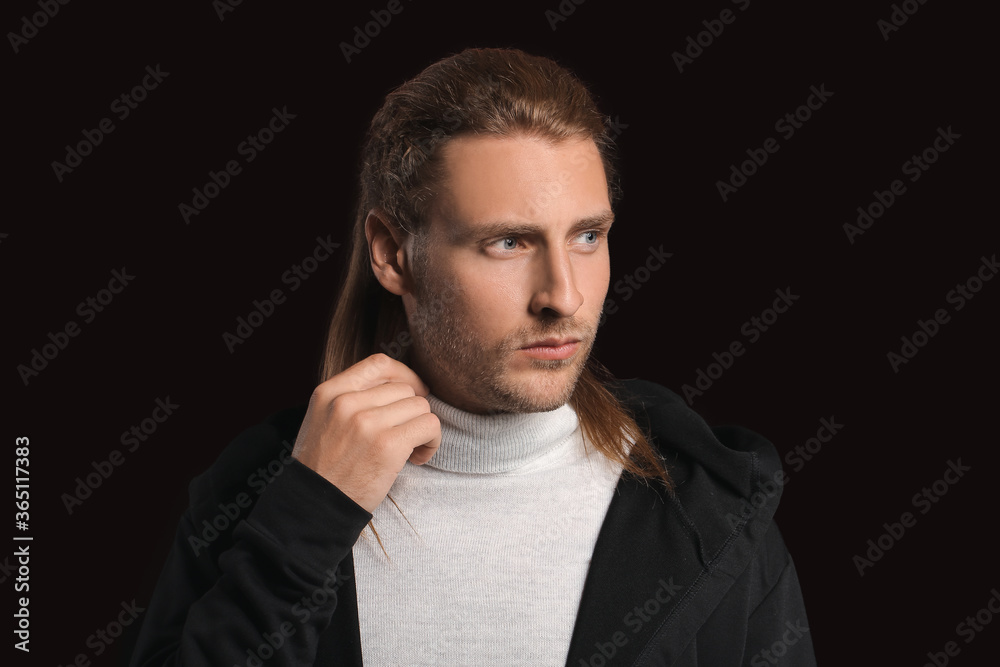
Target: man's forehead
520,184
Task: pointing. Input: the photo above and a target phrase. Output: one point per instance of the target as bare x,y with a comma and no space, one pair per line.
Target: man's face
511,273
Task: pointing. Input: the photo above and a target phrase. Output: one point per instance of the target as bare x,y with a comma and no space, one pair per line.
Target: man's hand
363,424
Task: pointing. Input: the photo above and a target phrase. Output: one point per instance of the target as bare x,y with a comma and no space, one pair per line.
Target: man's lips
551,342
552,348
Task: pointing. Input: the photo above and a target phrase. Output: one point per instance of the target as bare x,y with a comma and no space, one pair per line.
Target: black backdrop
161,336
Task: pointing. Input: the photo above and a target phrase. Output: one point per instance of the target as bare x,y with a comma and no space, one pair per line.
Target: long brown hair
499,92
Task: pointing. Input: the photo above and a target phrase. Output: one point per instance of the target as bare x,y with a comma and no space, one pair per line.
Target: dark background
680,132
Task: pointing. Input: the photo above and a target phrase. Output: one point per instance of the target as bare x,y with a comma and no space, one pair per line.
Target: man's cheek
596,291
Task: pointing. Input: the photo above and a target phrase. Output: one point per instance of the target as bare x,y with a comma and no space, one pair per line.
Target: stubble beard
449,352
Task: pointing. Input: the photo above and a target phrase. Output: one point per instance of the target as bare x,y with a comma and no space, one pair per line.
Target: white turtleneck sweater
490,567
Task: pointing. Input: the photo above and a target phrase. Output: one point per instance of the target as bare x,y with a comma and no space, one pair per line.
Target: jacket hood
727,480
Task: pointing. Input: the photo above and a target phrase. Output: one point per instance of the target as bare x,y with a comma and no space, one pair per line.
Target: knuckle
321,395
380,359
405,388
341,407
359,422
382,443
433,421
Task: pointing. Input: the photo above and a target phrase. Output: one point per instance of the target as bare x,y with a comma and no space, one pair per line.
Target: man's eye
591,237
509,243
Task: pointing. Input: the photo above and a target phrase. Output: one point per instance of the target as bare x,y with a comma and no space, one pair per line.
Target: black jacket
701,577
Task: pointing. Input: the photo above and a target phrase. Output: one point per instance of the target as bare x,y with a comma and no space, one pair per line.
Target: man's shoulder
251,460
735,455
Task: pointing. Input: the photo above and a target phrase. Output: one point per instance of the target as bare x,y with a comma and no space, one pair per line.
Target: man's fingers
397,415
425,426
353,402
406,424
371,372
363,424
379,368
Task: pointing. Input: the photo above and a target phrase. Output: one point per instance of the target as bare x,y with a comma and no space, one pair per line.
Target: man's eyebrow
501,228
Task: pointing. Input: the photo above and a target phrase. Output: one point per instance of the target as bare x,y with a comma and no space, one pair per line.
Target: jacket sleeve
777,628
269,595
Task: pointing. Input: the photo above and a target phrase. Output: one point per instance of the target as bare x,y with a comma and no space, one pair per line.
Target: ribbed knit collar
472,443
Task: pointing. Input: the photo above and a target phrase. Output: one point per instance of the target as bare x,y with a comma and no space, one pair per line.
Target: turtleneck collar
472,443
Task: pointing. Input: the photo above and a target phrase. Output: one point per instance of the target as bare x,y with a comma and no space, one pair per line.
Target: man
482,494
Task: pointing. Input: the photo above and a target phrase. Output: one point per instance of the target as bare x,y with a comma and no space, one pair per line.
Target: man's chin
537,391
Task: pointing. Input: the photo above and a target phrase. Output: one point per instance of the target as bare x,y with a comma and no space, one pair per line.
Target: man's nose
556,288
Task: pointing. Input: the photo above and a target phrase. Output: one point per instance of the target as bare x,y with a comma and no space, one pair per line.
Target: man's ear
387,253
